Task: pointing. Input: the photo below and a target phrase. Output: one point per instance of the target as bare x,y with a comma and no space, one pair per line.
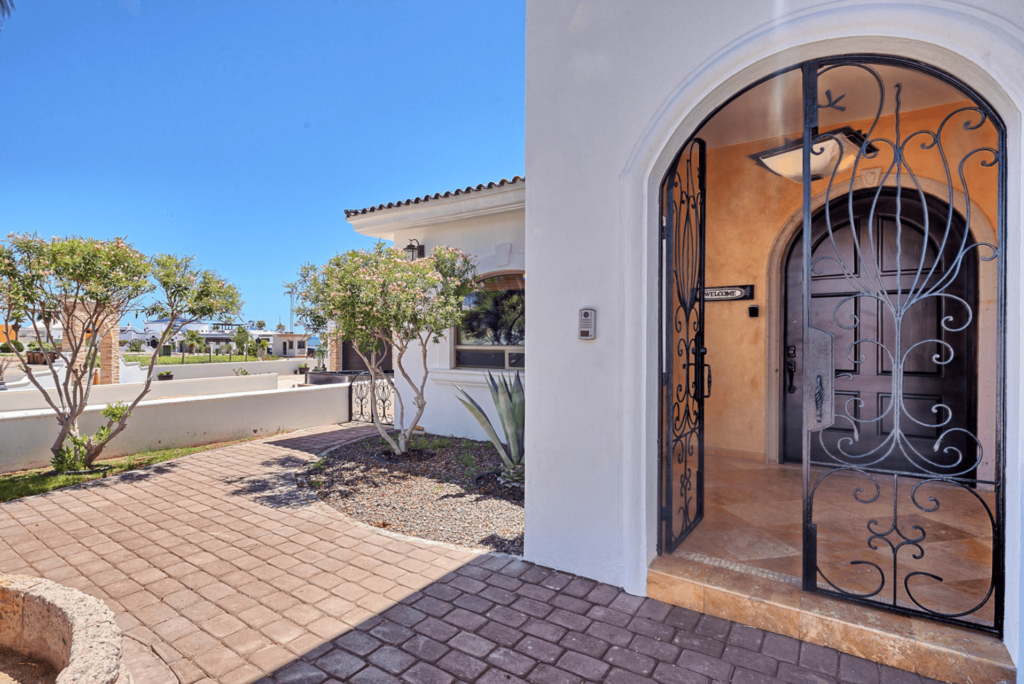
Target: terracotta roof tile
435,196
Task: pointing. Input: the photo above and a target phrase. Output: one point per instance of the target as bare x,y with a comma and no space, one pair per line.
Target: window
302,344
493,331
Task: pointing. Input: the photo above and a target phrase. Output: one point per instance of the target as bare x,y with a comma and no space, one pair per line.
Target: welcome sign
728,293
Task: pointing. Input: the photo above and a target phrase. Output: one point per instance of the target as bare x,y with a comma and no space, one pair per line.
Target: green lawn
30,482
144,359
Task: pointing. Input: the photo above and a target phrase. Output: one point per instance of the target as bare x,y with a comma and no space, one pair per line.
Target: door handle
708,393
791,372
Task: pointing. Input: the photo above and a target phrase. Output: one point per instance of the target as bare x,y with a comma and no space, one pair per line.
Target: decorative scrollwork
361,409
941,454
684,218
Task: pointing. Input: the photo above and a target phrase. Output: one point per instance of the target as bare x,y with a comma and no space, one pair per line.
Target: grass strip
32,482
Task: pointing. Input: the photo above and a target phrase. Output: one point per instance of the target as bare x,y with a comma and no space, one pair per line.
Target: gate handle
819,398
708,393
791,372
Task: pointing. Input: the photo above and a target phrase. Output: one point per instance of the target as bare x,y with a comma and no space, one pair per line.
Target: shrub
510,401
9,347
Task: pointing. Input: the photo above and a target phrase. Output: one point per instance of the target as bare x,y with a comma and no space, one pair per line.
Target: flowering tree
377,299
88,286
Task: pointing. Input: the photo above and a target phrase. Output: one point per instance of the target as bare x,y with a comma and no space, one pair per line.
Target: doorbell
588,324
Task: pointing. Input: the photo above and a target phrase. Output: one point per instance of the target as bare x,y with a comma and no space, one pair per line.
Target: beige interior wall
748,208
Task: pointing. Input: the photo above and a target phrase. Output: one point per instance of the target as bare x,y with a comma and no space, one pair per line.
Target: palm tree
193,340
5,9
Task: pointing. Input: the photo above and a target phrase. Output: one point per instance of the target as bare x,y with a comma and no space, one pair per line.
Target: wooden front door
938,374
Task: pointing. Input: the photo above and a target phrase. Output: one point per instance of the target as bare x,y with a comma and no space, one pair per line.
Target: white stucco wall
613,90
179,422
101,395
134,372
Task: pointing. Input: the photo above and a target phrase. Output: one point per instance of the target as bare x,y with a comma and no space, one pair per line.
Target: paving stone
465,620
510,661
650,628
654,610
340,664
544,630
500,634
371,675
630,660
474,645
705,665
696,642
781,648
742,676
435,629
300,672
714,627
890,675
609,615
495,676
682,618
546,674
584,643
752,661
819,659
404,615
359,643
579,587
857,670
610,633
655,648
794,674
572,621
672,674
746,637
391,659
462,665
422,673
582,665
425,648
507,616
475,604
571,604
391,632
539,649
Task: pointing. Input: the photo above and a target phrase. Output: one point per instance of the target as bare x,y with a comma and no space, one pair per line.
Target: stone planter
72,631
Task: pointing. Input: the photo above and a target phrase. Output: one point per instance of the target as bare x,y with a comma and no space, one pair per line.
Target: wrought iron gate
362,395
892,472
890,467
686,376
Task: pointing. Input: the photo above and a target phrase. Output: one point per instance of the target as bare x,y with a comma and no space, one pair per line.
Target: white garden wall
180,422
134,372
102,395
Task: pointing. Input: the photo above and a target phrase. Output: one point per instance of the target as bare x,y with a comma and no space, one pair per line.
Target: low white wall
169,423
133,372
102,395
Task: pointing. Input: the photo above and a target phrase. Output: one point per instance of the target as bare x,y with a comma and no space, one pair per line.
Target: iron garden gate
896,460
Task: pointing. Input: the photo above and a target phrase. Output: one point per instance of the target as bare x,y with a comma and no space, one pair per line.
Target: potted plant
165,375
302,369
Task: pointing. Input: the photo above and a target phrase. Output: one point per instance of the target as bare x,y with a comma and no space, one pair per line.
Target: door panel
863,368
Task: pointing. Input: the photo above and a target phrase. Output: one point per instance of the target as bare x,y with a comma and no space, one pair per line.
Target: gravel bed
429,494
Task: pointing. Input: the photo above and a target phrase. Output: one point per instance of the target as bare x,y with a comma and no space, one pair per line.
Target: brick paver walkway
221,570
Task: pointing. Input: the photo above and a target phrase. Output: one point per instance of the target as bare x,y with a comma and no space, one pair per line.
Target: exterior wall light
843,144
414,251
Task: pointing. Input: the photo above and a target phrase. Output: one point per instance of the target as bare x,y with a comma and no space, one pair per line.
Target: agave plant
510,401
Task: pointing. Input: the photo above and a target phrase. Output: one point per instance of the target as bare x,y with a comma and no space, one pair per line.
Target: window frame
508,349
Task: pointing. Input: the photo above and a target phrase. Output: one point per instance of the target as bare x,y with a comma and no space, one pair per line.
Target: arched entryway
896,403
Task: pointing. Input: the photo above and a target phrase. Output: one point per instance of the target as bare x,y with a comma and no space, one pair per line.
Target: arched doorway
895,413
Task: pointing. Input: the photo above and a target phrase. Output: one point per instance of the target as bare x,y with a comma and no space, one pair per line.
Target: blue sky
238,131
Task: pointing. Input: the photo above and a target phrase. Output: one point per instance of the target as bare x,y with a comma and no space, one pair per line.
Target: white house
797,228
486,221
